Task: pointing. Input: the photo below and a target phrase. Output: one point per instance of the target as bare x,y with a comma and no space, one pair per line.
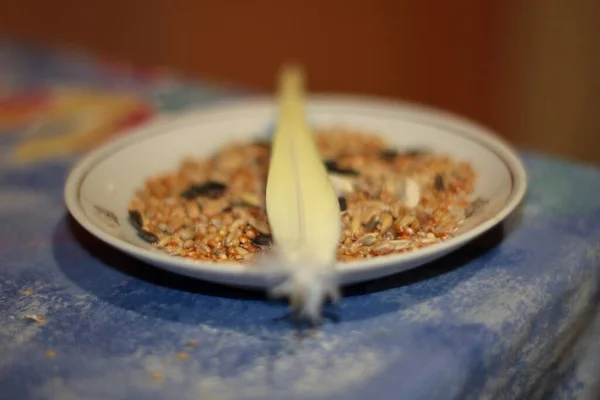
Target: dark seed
439,182
388,154
148,236
262,240
343,203
136,219
333,167
416,152
210,189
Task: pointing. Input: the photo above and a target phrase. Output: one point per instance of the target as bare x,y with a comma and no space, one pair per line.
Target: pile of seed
391,201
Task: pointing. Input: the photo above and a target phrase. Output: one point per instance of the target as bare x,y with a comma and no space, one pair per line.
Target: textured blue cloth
515,315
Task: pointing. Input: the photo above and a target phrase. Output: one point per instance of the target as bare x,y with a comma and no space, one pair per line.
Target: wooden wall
488,60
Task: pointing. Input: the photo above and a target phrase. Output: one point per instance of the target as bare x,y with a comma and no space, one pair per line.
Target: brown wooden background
527,69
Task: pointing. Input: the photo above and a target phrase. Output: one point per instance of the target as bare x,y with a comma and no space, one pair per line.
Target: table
515,315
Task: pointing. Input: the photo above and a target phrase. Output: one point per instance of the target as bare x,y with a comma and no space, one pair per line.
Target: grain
386,222
391,201
163,241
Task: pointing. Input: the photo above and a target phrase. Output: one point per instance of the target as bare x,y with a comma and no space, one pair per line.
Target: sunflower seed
439,182
262,240
368,239
389,201
332,166
210,189
148,236
343,204
136,219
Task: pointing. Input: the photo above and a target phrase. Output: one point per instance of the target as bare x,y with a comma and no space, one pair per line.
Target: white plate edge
447,121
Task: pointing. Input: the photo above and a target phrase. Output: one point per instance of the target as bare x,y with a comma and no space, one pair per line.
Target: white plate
101,185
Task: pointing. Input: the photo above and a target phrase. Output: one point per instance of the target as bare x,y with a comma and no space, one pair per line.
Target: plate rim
445,120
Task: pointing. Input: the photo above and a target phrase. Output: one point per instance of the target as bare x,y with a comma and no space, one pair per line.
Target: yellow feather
302,206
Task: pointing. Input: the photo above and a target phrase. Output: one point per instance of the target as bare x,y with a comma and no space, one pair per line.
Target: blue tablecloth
515,315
